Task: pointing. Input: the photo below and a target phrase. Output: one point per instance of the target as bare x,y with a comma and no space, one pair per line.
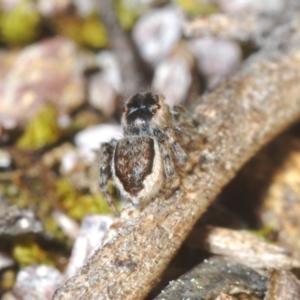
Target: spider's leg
179,152
167,157
106,154
186,129
171,176
179,114
169,137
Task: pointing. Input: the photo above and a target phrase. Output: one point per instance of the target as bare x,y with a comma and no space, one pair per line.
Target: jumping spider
137,163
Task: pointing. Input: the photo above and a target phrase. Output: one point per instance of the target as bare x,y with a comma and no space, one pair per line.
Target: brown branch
242,25
283,285
237,119
130,62
242,247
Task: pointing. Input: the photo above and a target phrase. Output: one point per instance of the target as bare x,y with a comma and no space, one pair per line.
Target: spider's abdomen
138,168
134,162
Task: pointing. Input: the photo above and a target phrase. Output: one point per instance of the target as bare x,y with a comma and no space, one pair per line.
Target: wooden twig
236,119
244,26
130,62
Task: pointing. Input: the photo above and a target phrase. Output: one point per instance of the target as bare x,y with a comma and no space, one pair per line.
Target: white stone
102,95
157,32
91,137
110,69
92,230
172,78
37,282
216,58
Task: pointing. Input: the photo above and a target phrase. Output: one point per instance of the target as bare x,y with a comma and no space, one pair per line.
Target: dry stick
237,119
243,25
130,62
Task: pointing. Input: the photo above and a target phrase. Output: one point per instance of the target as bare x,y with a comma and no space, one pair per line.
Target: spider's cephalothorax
143,112
141,161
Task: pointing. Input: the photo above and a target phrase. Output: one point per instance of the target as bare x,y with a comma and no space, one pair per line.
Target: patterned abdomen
137,165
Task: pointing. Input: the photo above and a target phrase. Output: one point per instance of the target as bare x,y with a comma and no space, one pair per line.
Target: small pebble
91,233
173,78
102,95
110,69
68,225
251,6
157,32
91,137
5,261
216,58
37,282
5,159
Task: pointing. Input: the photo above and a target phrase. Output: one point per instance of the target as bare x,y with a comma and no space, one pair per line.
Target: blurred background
66,67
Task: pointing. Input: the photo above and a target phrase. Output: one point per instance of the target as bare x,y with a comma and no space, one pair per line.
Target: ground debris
15,221
283,285
211,278
242,247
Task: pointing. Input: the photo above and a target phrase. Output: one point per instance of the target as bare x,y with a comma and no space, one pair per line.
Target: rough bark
283,285
236,120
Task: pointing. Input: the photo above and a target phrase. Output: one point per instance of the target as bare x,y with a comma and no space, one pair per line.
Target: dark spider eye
142,101
141,106
150,99
143,113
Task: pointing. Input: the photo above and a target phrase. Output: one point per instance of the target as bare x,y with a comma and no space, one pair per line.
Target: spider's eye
142,112
150,100
142,107
135,110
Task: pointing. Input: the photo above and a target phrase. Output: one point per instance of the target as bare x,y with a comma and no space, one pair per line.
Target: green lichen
265,233
89,204
20,25
26,251
78,205
197,7
87,32
42,131
32,186
84,119
30,198
51,226
126,15
93,33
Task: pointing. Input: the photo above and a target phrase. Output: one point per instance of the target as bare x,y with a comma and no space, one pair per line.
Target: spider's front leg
171,176
186,128
167,157
168,136
106,155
